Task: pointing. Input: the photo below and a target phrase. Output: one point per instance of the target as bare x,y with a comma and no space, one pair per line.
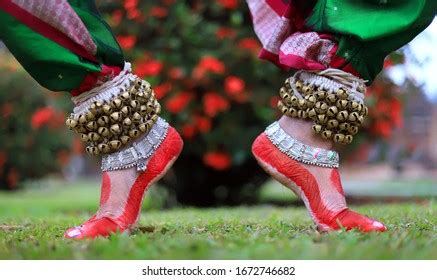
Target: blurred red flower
162,90
158,12
203,124
217,160
229,4
214,103
3,158
116,17
127,42
208,64
178,102
148,68
176,73
224,32
42,116
234,88
249,44
6,110
188,131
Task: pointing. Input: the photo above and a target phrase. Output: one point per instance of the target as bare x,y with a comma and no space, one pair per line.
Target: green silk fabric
368,30
49,63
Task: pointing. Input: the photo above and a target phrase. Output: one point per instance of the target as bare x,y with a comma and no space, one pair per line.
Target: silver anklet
139,151
300,151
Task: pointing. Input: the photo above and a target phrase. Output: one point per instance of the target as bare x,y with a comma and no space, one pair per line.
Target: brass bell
92,150
91,126
283,92
116,103
342,104
353,129
82,119
320,94
80,129
152,106
124,96
133,91
96,108
327,134
364,111
311,113
355,106
339,138
134,133
107,109
149,124
115,144
143,110
281,107
317,128
142,127
115,129
302,114
136,117
103,120
125,139
307,90
115,117
332,111
311,101
360,119
344,126
92,136
71,123
138,83
104,131
134,104
348,139
353,117
158,109
321,119
90,116
332,123
292,112
301,104
294,100
321,107
342,94
140,96
331,98
154,118
84,137
287,83
298,84
342,115
104,148
127,122
125,111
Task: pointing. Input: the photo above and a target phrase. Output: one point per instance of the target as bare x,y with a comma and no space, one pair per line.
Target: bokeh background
201,58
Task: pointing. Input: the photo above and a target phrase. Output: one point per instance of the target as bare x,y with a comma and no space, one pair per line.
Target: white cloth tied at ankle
139,151
300,151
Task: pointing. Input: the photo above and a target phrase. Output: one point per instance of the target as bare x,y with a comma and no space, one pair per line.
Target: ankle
301,130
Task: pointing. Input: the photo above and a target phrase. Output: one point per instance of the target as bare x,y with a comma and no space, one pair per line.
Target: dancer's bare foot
319,187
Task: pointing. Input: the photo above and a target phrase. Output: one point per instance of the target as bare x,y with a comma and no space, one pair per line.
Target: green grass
32,224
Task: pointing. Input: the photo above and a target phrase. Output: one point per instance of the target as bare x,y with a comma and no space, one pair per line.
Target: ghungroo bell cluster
108,126
335,115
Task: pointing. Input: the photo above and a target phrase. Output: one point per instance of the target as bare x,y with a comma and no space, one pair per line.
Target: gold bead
353,117
94,137
125,139
342,115
82,119
302,114
136,117
344,126
91,126
107,109
115,117
339,138
332,123
331,98
104,131
134,133
103,120
317,128
84,137
321,119
127,122
115,129
348,139
115,144
116,103
332,111
104,148
353,129
342,104
327,134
